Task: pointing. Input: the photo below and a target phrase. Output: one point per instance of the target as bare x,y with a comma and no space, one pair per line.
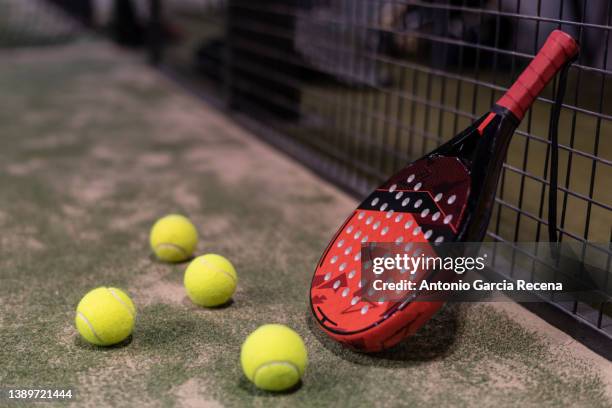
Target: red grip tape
558,49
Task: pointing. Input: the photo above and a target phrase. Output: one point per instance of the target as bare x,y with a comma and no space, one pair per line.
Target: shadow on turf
250,388
189,304
80,343
432,341
156,260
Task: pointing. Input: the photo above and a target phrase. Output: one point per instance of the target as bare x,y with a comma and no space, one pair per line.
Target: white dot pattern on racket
404,212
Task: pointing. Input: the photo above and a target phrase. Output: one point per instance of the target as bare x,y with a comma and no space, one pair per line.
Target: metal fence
357,88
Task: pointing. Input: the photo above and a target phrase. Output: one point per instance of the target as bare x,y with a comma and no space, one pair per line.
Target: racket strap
553,137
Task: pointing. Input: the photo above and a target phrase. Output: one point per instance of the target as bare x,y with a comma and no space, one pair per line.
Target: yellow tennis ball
210,280
274,357
105,316
173,238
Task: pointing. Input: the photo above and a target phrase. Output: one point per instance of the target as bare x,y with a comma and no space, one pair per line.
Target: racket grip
558,49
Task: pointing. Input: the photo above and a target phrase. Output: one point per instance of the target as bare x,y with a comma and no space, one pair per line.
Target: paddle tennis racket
446,196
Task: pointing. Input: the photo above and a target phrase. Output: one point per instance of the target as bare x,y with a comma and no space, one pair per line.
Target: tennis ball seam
174,246
210,264
114,294
276,362
88,323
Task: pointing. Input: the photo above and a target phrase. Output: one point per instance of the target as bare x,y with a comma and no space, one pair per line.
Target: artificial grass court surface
96,146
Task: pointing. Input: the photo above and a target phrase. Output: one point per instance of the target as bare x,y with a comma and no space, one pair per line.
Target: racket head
423,203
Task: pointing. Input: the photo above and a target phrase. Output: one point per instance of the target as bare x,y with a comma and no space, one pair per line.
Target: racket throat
486,165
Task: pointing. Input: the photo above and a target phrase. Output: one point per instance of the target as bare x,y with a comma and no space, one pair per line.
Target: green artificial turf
95,147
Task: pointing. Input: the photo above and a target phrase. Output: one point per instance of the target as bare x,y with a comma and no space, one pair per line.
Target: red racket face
422,203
